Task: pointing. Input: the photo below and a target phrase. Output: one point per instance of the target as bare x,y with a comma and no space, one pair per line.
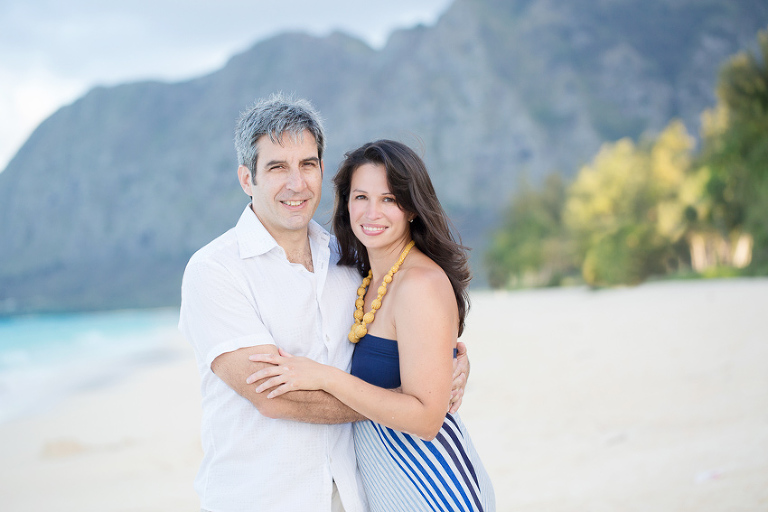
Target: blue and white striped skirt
403,472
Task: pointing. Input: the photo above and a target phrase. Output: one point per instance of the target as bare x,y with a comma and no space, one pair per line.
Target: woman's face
376,218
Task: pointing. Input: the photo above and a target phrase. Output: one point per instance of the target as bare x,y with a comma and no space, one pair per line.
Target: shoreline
645,398
47,358
131,444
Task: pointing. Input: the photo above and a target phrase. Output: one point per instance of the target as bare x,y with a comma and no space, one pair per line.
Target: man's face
289,177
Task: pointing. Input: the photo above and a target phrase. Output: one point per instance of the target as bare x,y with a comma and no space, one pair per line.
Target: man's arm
307,406
311,406
214,310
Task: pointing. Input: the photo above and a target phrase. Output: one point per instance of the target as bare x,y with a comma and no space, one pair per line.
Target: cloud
52,52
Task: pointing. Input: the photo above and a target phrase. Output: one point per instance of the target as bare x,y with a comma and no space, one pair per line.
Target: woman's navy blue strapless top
377,361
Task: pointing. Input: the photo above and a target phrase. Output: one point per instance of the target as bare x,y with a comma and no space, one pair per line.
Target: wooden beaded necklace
358,329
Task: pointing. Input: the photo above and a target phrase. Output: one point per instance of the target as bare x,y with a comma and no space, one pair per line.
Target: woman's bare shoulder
424,279
426,304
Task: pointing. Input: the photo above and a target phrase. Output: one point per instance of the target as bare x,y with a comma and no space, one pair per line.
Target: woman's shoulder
424,277
425,297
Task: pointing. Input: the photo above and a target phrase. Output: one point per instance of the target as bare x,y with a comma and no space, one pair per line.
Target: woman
390,225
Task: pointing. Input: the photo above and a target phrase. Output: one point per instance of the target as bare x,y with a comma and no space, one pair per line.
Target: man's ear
244,177
322,168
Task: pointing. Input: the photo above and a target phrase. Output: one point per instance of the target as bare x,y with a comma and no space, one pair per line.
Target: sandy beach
652,398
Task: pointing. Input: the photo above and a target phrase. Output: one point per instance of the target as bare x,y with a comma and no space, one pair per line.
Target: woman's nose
373,211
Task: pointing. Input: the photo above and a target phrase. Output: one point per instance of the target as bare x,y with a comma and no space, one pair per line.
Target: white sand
641,399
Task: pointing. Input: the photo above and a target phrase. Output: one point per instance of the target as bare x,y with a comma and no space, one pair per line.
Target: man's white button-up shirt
241,291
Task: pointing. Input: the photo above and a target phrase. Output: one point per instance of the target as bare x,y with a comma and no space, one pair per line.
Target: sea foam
45,358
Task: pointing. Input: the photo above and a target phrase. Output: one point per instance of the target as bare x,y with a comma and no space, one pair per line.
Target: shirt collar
318,234
254,239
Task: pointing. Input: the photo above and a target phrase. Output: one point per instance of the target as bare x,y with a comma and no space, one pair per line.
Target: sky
53,52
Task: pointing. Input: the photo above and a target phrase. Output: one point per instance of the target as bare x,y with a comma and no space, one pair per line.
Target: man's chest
307,314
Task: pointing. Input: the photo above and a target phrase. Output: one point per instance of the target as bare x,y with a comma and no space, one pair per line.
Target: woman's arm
426,320
307,406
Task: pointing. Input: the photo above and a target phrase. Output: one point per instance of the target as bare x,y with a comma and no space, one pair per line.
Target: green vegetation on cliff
655,207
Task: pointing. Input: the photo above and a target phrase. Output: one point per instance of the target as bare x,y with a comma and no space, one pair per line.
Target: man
272,282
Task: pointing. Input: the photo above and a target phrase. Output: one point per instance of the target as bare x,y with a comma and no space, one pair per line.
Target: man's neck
302,256
294,243
297,248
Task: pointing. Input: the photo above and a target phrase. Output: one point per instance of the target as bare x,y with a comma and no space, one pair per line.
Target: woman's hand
288,373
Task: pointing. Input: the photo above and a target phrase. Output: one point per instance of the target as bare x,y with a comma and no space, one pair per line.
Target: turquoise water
44,358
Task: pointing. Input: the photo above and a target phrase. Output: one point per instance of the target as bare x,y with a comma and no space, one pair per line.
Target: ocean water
44,358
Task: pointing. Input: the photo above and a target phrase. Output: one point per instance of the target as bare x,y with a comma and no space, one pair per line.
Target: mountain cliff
106,201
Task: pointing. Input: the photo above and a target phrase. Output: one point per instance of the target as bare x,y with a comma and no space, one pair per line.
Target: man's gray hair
275,116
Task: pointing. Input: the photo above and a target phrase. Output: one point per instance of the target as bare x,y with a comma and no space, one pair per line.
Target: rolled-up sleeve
216,315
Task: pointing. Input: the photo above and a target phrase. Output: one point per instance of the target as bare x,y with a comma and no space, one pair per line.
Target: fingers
277,380
279,391
284,353
462,359
459,381
265,358
458,371
460,375
456,398
271,383
269,371
457,392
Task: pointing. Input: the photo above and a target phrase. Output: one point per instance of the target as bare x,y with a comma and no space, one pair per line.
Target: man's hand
460,377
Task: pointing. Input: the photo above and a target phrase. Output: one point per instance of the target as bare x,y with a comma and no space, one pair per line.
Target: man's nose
296,181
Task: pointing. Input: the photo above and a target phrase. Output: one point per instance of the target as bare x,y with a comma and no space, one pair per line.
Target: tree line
659,206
